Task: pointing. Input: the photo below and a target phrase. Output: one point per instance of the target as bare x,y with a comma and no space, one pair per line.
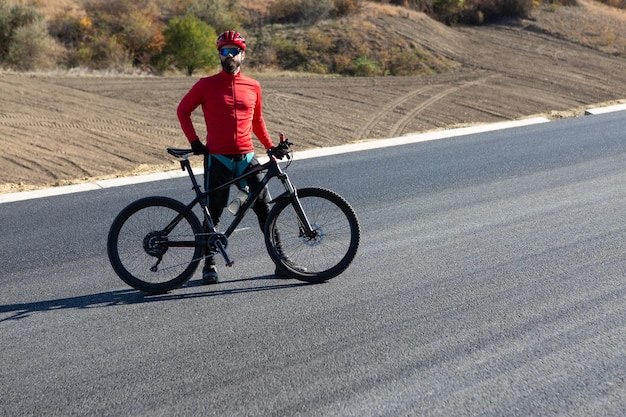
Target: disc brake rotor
316,238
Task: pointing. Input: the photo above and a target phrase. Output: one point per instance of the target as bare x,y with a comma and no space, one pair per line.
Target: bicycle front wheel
155,244
328,251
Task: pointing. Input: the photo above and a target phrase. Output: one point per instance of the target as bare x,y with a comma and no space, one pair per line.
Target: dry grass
591,23
51,8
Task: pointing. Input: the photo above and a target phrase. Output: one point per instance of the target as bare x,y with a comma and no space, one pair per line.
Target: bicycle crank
218,242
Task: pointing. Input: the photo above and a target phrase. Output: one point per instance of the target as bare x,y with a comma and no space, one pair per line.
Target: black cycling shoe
209,272
282,273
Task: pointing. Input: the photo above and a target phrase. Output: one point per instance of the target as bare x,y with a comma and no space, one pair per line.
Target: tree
32,48
220,14
132,25
189,44
13,17
24,40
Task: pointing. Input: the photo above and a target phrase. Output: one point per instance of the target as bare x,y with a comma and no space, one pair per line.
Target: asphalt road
490,281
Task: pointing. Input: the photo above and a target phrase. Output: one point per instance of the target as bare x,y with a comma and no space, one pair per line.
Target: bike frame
220,240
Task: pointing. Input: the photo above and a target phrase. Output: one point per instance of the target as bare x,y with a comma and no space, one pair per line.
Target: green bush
24,40
219,14
13,17
32,48
479,11
470,11
103,52
134,25
346,7
73,33
293,35
300,11
290,55
366,67
311,11
342,48
189,45
68,30
425,6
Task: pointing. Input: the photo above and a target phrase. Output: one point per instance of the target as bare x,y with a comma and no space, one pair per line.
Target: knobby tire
132,256
315,258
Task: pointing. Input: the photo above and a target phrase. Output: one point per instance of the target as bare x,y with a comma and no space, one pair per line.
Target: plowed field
59,129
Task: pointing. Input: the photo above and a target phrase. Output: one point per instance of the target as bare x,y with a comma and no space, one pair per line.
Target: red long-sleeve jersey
232,107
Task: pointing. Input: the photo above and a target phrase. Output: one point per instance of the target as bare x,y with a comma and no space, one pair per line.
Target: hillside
57,128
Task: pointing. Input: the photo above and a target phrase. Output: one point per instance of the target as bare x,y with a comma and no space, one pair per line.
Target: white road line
607,109
312,153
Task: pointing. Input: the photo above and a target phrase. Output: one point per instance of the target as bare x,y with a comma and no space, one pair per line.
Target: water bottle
239,200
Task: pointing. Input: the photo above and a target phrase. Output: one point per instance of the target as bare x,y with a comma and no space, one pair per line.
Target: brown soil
59,129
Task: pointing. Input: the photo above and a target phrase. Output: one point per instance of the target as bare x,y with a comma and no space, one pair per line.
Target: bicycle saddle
179,153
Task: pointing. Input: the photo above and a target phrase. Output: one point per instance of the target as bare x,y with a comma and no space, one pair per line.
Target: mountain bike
156,243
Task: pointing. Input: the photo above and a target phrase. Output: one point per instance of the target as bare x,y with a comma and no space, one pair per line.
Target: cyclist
232,108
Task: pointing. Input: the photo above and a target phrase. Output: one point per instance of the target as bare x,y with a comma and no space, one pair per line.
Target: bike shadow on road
132,296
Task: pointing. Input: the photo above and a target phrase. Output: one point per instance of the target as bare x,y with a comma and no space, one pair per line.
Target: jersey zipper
236,133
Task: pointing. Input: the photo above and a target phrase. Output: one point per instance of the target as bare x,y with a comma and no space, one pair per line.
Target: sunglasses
230,51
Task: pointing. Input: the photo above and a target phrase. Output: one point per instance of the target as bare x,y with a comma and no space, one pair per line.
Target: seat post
186,166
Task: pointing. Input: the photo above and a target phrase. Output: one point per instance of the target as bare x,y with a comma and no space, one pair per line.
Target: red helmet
230,37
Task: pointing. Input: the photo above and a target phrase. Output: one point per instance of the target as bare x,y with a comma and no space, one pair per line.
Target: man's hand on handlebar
278,152
281,150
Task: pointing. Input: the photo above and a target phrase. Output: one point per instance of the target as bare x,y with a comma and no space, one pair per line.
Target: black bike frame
273,170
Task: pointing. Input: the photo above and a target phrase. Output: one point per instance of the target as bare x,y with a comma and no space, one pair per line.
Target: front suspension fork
305,226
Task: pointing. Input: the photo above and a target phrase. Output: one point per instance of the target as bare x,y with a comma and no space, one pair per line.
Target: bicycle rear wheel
146,256
331,248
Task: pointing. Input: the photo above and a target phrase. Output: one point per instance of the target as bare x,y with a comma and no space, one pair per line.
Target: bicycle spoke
331,246
146,258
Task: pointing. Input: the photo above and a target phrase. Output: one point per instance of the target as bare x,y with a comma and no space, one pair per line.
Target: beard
230,65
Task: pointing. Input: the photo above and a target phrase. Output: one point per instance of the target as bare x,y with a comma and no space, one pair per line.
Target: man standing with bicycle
232,108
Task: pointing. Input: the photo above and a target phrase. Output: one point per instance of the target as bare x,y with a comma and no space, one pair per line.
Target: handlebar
283,149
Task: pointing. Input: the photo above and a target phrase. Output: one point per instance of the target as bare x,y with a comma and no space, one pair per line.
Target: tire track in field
384,111
287,97
299,115
89,124
284,103
399,126
407,118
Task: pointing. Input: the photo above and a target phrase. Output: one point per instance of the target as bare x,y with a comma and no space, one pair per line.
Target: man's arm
187,105
258,123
